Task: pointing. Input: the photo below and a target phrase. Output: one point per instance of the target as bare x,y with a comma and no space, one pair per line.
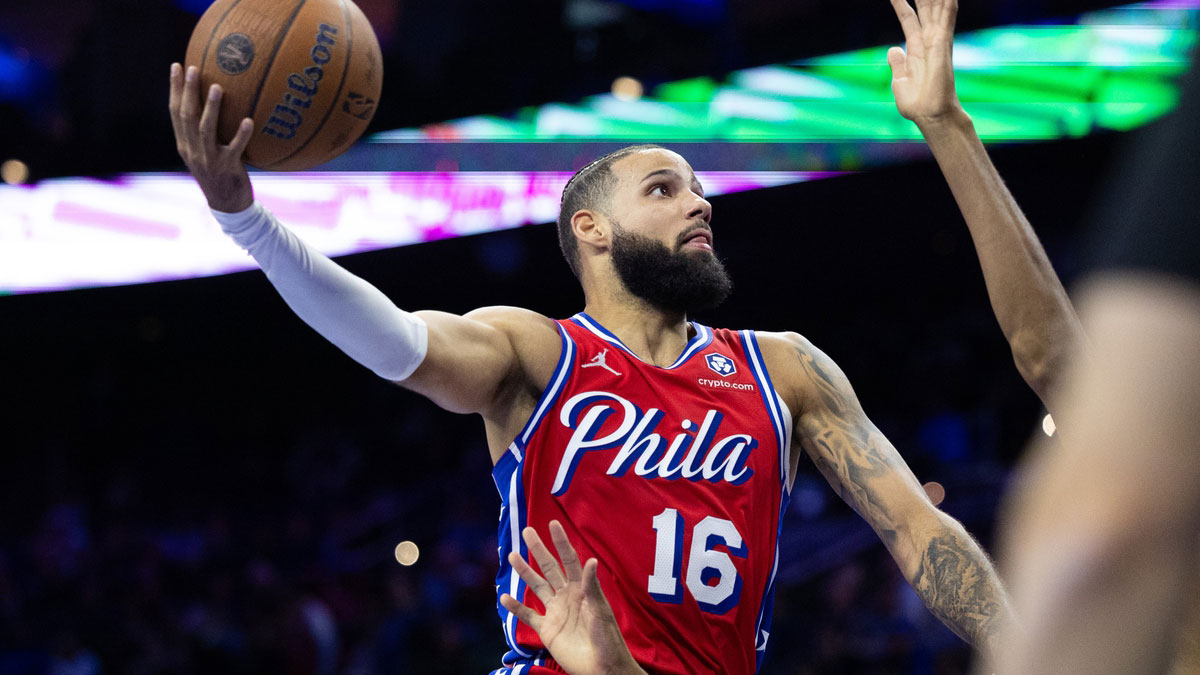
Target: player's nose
700,208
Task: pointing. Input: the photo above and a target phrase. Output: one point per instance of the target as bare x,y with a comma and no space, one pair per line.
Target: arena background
194,481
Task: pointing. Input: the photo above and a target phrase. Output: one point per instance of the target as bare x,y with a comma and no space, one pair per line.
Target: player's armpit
475,362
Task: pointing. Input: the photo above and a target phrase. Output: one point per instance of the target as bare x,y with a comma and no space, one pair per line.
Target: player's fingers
208,118
544,558
242,138
898,61
540,587
566,552
175,97
909,23
591,585
189,105
524,614
943,11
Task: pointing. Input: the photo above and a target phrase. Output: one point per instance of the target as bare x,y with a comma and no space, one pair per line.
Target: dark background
194,481
84,90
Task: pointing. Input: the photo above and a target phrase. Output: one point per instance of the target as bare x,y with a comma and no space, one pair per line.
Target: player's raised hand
217,168
922,72
578,628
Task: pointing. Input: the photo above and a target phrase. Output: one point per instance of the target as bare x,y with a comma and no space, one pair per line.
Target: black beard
682,281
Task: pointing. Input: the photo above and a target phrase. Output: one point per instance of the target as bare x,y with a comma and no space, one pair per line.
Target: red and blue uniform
675,478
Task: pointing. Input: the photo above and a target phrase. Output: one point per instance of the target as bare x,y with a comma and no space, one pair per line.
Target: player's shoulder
790,358
781,345
530,333
508,318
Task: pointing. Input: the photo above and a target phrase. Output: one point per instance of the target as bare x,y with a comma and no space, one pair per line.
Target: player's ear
590,228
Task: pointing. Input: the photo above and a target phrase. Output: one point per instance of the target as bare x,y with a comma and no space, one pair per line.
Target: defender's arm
1026,295
943,563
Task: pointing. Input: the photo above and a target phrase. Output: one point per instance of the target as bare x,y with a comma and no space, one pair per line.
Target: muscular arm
943,563
1028,299
464,363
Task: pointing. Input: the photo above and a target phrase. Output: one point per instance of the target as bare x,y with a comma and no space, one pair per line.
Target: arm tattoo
960,588
953,575
844,444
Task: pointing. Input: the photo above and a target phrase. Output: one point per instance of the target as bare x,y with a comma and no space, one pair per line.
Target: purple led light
73,233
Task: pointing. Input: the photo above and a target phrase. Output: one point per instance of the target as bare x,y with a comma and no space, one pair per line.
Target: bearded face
677,280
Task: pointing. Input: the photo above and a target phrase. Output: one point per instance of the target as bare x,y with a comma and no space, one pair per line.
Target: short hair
590,188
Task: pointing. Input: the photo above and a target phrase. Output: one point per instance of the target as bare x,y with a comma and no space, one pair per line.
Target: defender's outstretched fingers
524,614
540,587
942,12
566,552
898,61
544,558
908,19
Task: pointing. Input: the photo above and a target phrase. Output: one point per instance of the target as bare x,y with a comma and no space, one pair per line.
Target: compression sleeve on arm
346,310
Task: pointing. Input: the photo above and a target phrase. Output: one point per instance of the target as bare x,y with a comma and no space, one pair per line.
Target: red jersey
674,478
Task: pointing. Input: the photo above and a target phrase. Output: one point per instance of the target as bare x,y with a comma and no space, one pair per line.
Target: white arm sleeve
346,310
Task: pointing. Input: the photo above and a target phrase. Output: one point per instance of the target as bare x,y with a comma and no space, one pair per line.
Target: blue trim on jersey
782,426
507,475
770,399
702,338
558,382
521,666
767,609
582,319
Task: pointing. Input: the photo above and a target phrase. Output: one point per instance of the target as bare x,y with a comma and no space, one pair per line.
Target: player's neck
656,336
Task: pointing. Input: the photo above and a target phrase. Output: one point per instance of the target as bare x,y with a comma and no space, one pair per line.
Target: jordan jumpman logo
598,360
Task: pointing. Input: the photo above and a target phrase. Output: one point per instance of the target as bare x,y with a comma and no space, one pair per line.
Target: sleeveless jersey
674,478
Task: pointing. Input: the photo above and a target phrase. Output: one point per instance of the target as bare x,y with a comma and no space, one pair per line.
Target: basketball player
663,447
1134,556
1029,301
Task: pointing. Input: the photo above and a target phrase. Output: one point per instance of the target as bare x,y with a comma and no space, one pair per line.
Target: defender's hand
922,72
578,627
217,168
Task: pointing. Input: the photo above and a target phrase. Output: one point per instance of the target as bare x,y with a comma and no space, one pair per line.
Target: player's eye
660,188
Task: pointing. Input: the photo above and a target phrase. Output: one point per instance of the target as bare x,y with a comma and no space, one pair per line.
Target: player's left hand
578,628
923,72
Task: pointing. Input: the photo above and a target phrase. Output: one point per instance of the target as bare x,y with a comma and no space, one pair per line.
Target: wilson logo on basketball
287,117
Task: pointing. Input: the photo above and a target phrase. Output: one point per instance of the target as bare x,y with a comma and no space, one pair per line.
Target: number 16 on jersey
710,575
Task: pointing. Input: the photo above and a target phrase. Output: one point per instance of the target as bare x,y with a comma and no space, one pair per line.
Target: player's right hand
217,168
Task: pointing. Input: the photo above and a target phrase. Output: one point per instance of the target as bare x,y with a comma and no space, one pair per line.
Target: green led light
1109,70
695,90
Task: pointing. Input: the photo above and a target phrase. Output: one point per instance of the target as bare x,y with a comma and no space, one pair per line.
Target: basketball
309,73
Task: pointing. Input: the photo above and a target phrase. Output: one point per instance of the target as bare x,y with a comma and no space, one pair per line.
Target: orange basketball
308,72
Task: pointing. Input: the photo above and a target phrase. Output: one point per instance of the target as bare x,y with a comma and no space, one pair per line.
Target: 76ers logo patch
720,364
